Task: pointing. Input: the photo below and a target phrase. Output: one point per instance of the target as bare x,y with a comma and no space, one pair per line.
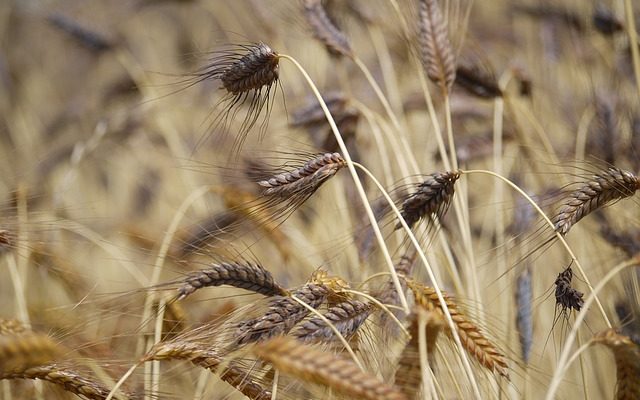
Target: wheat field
340,199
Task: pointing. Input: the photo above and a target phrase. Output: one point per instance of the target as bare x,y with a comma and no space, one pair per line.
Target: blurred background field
114,177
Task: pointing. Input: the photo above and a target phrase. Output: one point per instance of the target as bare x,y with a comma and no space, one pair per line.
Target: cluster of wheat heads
345,199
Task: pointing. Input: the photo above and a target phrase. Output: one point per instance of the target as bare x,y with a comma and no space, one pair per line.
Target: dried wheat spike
306,179
566,296
70,380
470,335
282,315
325,30
211,360
609,185
524,315
347,317
408,375
627,356
254,70
12,327
435,48
312,365
240,274
431,198
18,352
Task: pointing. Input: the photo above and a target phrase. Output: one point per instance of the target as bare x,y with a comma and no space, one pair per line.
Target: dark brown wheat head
567,297
240,274
305,180
431,198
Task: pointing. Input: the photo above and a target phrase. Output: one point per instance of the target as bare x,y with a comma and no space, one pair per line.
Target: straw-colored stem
356,180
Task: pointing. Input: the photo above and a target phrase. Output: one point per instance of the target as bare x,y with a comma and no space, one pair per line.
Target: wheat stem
155,277
121,381
356,180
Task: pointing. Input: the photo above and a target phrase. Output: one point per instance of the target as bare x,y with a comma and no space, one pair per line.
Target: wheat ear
473,340
435,49
12,327
282,315
70,380
604,187
240,274
347,317
325,30
310,364
211,360
431,198
25,350
306,179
